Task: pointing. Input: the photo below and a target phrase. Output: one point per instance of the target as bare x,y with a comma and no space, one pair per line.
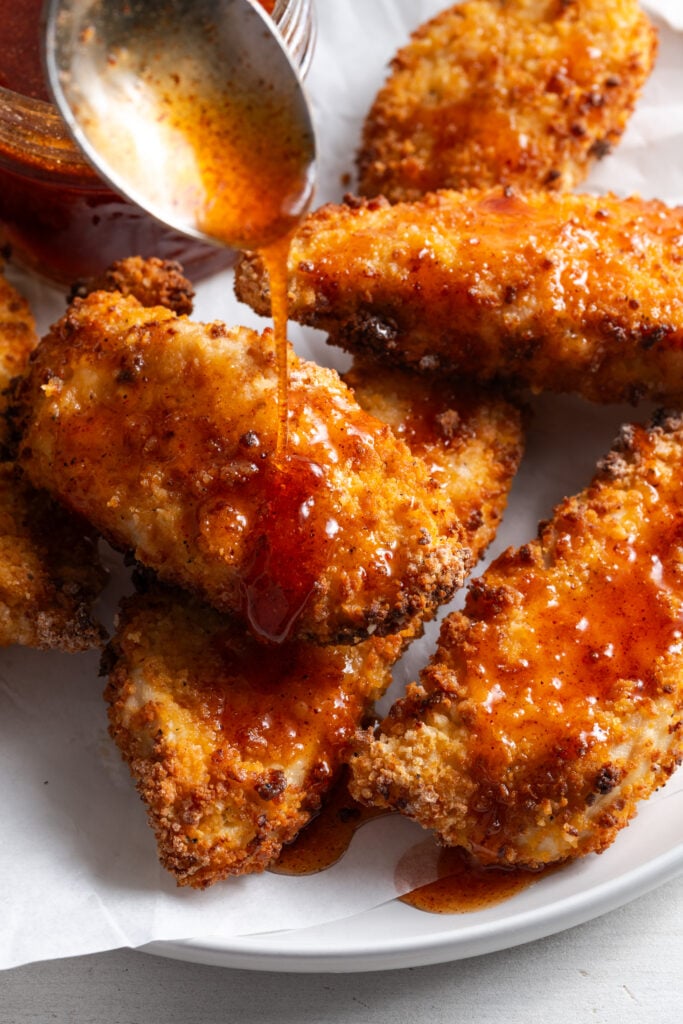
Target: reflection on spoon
191,108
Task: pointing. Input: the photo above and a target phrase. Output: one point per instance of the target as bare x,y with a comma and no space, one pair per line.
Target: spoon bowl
193,109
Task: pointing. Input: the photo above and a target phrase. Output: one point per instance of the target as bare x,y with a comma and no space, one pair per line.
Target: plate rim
268,951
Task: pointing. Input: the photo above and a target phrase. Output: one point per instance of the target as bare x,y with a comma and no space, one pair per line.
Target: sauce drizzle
327,838
275,259
462,886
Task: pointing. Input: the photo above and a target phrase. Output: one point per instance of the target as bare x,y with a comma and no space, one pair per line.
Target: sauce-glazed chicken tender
232,744
50,573
554,292
554,702
527,93
162,432
17,340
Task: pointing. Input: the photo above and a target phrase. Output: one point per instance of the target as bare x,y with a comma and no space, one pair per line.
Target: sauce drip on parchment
462,886
327,838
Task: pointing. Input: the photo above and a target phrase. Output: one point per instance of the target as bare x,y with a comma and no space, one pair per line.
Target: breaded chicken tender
471,440
527,93
555,700
49,570
553,292
232,744
162,433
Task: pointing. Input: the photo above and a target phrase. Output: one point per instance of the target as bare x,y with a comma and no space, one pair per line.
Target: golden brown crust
49,571
153,282
161,432
17,339
555,700
554,292
232,745
489,92
471,439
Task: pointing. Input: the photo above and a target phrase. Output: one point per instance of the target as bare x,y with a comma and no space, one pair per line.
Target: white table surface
624,967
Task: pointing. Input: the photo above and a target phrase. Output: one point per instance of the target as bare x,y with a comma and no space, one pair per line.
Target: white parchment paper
77,860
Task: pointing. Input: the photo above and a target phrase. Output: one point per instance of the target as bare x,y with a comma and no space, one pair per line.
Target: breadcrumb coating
18,338
489,92
472,440
554,703
553,292
50,572
153,282
162,433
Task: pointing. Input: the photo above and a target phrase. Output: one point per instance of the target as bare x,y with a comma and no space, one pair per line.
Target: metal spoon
191,108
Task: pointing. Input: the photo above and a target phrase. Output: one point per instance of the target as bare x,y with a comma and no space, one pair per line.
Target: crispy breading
17,339
153,282
472,440
555,700
489,92
162,433
554,292
49,570
232,744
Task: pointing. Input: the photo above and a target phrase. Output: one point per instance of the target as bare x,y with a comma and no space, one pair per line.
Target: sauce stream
275,259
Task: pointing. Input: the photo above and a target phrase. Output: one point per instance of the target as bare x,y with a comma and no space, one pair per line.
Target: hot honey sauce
325,841
461,886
